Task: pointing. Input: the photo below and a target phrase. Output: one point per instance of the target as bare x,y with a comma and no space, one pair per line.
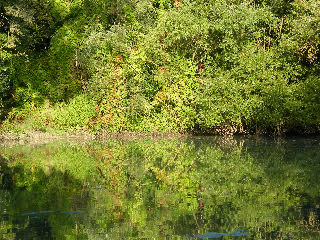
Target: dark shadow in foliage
36,21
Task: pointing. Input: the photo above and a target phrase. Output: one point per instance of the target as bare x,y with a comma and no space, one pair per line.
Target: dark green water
190,188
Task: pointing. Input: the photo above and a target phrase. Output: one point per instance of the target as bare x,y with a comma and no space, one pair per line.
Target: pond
163,188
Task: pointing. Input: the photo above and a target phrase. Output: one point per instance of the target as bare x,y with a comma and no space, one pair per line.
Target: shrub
75,114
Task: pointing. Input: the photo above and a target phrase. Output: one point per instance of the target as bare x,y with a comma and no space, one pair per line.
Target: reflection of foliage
152,188
42,179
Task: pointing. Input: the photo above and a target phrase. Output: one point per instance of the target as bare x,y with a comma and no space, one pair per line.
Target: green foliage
163,65
75,114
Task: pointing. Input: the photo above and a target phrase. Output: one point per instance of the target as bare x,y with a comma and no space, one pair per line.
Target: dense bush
159,65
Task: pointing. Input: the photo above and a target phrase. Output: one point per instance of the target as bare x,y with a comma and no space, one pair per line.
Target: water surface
183,188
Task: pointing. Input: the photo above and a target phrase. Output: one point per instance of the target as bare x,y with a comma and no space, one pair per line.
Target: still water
177,188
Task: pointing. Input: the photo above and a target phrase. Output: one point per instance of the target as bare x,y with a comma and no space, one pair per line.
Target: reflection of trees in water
6,180
256,186
35,228
310,216
27,187
180,187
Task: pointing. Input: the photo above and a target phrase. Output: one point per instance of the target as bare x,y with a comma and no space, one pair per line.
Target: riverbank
23,134
35,137
40,137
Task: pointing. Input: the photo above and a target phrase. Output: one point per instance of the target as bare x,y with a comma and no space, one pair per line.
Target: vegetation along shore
177,66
